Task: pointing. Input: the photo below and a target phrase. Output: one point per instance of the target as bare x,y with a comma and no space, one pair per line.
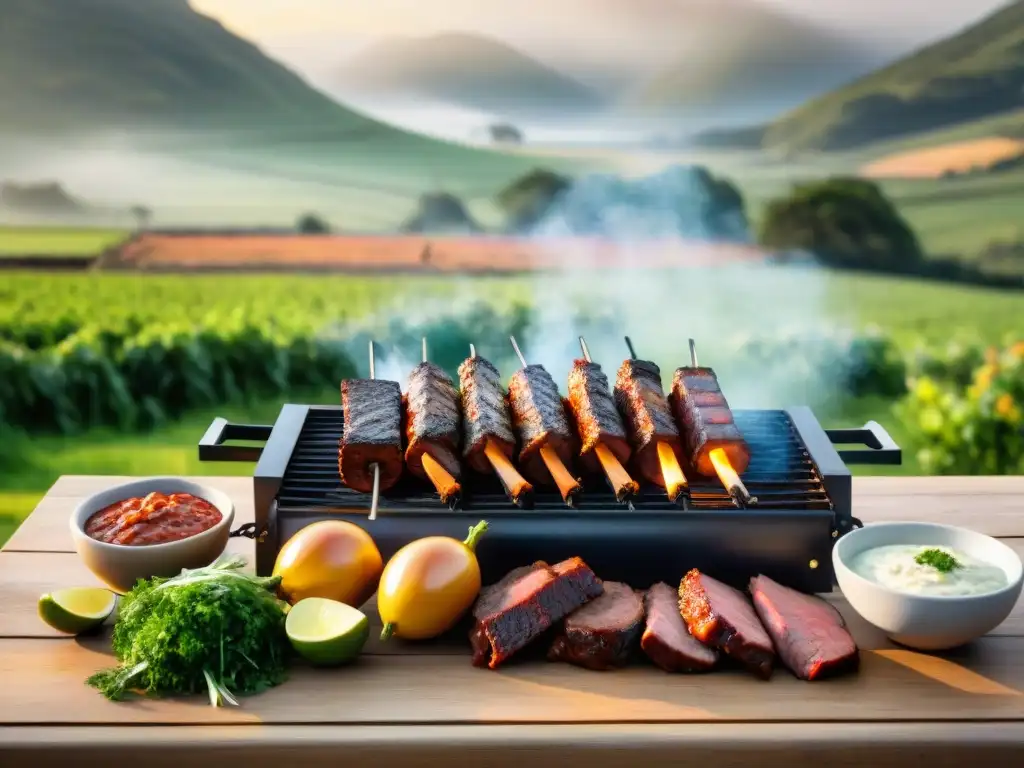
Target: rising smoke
730,309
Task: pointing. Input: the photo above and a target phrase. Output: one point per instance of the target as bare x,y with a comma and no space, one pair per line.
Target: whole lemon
332,559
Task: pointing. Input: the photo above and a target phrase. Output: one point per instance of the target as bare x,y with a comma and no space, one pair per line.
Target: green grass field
57,241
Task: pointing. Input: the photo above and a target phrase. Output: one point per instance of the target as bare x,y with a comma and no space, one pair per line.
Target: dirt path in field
933,162
414,253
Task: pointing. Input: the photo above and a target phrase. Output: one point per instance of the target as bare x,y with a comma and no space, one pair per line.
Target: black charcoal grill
798,475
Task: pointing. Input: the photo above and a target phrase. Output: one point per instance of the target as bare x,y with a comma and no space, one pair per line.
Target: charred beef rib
666,640
724,618
647,416
809,634
372,433
513,612
603,634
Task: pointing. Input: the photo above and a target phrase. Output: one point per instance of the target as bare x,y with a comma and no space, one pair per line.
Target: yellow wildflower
1017,350
983,377
1007,409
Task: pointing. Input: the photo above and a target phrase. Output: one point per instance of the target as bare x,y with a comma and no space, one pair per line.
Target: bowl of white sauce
927,586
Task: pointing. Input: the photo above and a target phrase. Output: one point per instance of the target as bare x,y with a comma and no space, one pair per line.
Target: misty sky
314,35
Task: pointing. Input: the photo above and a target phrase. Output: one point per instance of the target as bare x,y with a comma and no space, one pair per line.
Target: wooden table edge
497,746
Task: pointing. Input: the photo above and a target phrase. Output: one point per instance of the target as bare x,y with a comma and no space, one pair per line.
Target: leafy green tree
845,222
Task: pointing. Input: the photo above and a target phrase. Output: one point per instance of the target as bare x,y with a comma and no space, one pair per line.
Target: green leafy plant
216,629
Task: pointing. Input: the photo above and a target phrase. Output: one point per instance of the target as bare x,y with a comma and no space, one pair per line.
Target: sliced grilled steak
603,634
485,412
647,416
595,415
666,640
539,419
432,421
372,433
522,606
724,618
705,420
809,634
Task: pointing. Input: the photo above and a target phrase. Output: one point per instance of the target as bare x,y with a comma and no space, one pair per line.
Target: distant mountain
971,75
78,64
466,69
751,61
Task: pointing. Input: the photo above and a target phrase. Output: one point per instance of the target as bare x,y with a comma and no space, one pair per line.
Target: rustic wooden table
429,707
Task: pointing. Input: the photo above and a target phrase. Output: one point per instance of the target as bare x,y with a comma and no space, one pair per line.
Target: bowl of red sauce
151,527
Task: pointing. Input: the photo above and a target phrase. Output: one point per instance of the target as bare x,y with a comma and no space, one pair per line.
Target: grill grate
781,475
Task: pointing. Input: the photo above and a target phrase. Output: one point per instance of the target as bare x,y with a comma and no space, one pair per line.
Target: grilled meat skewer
488,440
657,447
602,433
432,429
370,449
714,443
547,443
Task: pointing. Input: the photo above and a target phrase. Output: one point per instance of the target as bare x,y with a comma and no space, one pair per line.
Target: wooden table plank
43,682
994,506
390,708
737,745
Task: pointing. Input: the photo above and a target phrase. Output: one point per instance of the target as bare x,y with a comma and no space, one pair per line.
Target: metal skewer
424,349
376,467
632,352
738,490
519,353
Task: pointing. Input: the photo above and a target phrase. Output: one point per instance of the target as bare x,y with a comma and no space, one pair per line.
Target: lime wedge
77,609
326,632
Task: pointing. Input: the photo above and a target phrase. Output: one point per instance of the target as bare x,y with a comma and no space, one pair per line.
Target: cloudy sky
314,35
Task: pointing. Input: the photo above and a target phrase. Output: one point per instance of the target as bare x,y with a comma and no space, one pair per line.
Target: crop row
135,378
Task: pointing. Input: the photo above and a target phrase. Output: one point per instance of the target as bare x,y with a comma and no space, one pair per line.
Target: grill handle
881,448
211,446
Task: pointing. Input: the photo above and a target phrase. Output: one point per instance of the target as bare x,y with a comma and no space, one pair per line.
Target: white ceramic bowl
932,622
120,565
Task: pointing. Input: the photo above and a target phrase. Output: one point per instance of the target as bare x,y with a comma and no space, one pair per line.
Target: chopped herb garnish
938,559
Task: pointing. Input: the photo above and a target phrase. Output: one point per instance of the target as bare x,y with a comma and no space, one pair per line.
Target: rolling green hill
467,69
974,74
751,57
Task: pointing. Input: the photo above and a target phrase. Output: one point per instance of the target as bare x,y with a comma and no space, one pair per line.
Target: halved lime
77,609
326,632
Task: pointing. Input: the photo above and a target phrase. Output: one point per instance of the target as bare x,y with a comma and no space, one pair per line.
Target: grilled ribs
666,640
595,415
513,612
372,433
485,412
603,634
809,634
432,420
647,416
706,420
538,417
724,618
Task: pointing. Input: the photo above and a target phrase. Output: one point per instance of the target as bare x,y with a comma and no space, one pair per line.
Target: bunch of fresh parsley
214,629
